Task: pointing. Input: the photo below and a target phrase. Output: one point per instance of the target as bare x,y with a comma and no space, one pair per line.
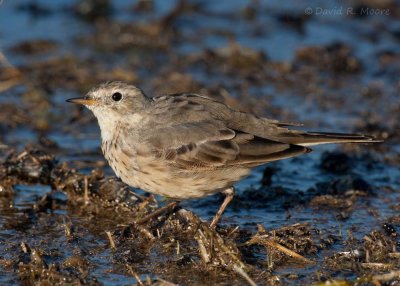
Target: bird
188,146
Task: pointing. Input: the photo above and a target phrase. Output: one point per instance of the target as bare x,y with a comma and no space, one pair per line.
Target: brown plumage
189,146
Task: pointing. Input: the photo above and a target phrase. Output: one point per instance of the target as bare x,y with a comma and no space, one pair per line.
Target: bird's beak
82,100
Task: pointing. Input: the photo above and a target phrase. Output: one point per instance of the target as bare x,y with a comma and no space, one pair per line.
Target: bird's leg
229,193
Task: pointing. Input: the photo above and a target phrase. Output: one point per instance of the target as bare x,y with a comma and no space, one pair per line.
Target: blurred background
332,65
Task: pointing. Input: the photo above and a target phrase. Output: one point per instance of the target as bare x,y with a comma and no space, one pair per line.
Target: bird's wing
190,134
198,132
268,128
198,107
203,145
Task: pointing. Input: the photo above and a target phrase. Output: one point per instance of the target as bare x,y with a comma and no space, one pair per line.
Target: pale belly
183,186
159,178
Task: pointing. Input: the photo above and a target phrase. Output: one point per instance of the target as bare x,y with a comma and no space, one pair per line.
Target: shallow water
287,86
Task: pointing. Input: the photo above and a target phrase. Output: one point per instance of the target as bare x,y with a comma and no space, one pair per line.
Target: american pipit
189,146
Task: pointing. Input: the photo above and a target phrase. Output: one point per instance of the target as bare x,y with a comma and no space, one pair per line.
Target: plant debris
328,217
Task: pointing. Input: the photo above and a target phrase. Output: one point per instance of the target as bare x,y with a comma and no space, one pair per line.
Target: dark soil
330,217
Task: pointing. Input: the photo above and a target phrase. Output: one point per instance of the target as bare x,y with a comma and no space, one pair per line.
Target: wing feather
196,133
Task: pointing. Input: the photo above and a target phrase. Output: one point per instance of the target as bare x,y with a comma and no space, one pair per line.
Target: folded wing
197,132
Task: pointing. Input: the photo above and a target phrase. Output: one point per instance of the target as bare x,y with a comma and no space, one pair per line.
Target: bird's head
113,103
113,99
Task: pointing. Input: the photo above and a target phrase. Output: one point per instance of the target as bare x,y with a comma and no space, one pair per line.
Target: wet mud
330,217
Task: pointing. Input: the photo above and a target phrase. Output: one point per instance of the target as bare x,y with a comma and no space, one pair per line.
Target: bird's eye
117,96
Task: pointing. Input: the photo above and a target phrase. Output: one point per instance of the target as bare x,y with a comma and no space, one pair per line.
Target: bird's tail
316,138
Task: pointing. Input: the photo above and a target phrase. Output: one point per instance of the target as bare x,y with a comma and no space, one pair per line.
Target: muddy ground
330,217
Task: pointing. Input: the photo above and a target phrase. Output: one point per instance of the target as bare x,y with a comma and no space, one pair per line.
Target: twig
386,276
156,213
233,231
7,84
203,251
372,265
264,239
86,191
394,255
233,258
134,274
178,248
241,272
67,229
22,155
110,238
144,231
24,247
214,250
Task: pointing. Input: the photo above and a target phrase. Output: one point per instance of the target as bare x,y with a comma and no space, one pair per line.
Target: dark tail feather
316,138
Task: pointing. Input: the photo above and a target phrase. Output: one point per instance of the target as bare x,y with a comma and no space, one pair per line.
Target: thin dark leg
229,193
